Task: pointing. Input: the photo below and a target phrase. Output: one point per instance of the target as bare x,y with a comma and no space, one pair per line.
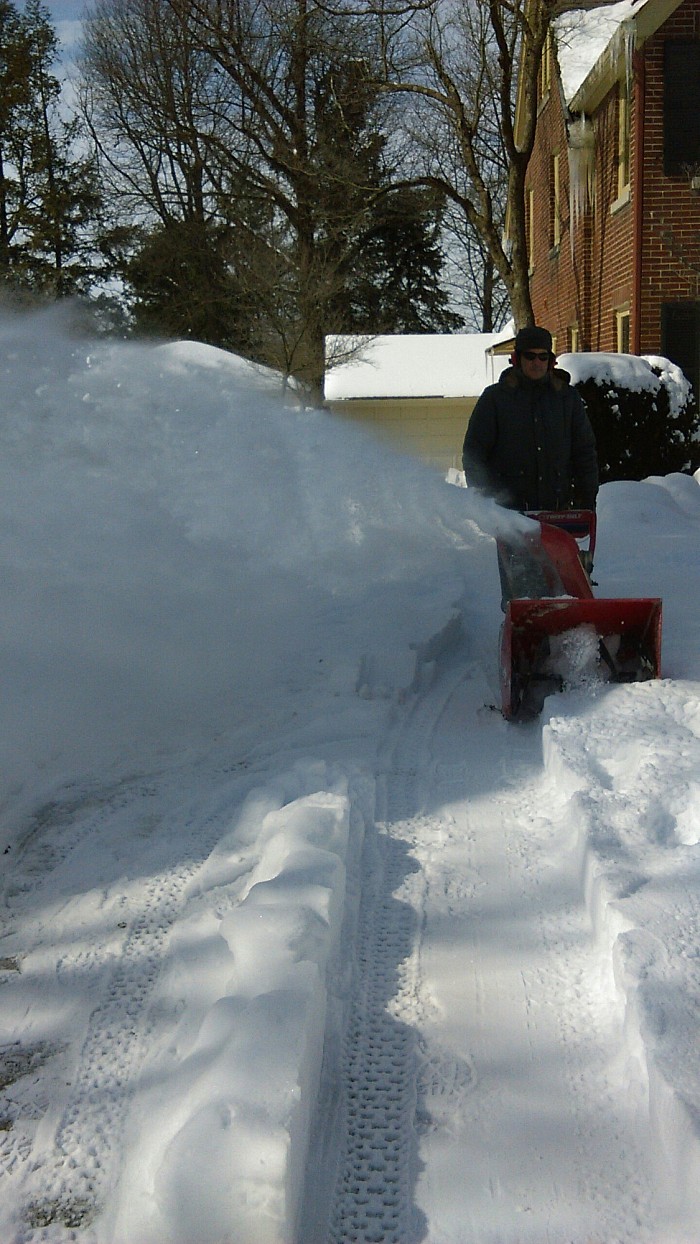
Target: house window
681,106
574,339
544,77
530,224
623,141
680,338
555,195
622,331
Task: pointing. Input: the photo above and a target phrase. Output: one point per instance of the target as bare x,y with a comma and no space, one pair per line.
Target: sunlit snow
300,940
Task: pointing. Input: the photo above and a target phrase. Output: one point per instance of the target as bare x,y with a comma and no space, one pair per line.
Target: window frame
530,229
555,192
624,141
681,106
623,336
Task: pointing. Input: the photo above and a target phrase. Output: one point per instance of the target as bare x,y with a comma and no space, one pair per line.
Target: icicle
581,151
629,34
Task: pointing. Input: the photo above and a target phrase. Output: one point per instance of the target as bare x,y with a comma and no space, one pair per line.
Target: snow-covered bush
643,412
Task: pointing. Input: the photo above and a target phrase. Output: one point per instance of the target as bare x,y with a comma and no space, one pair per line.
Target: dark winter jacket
530,444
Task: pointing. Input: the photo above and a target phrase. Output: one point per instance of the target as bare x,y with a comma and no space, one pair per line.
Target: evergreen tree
184,286
48,193
394,280
390,258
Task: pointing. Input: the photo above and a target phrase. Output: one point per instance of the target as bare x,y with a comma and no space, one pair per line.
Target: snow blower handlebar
581,524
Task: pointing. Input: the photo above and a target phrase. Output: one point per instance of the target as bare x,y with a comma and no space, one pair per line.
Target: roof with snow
414,365
589,40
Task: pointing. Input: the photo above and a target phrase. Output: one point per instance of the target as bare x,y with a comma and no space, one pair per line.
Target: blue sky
65,10
65,17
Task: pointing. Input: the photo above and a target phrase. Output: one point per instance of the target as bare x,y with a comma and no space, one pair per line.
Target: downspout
639,103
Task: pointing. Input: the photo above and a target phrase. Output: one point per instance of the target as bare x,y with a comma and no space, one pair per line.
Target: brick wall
650,233
670,258
553,282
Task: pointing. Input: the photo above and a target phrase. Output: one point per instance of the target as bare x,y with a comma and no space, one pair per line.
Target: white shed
417,390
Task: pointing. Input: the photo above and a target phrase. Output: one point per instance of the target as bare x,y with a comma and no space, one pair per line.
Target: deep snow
300,940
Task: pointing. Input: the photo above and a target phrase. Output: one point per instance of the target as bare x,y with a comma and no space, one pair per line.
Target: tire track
67,1184
387,1074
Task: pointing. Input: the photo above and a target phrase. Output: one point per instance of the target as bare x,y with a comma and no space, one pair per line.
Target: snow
413,364
647,374
583,36
300,940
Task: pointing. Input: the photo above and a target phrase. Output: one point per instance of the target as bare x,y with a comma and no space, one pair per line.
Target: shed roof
414,365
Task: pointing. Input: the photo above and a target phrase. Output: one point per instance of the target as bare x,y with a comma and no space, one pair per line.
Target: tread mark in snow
373,1191
69,1190
393,1085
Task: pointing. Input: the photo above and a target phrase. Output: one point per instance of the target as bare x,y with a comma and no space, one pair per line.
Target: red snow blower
556,635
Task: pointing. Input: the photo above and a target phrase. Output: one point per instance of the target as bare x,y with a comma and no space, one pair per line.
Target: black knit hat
533,338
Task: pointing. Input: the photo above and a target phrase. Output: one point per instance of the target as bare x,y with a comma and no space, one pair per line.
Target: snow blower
555,634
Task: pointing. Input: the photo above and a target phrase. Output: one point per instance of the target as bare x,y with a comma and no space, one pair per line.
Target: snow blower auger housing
555,633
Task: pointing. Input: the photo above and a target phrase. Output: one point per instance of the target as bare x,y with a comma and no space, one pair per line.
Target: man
529,443
530,446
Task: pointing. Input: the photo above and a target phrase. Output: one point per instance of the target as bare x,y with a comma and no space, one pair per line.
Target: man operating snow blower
530,445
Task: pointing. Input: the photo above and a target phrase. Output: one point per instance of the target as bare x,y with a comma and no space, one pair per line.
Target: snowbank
253,1021
217,610
184,552
640,870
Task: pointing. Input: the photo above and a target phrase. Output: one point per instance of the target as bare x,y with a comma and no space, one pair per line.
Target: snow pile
183,552
255,785
249,1061
635,813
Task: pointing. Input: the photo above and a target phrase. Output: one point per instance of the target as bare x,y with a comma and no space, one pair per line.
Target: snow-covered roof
414,365
590,39
582,37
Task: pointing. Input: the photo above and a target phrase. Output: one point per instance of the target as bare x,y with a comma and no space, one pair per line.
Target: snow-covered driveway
518,1112
485,1076
300,942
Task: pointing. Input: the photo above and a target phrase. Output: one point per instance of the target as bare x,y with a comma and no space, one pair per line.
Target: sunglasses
535,354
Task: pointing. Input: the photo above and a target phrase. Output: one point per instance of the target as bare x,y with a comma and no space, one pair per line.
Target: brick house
613,186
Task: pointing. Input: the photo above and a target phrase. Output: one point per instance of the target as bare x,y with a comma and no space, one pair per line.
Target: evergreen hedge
643,411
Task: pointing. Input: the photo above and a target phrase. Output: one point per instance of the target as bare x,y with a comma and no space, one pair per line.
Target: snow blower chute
555,633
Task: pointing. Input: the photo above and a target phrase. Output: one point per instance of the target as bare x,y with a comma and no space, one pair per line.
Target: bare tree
156,109
477,289
465,65
260,121
313,123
